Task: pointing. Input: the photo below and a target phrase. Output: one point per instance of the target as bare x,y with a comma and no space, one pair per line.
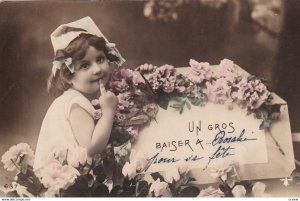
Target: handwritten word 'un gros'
196,127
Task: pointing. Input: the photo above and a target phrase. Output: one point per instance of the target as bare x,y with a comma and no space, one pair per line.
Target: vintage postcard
149,98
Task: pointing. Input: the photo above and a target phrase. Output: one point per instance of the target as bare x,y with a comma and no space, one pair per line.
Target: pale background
266,43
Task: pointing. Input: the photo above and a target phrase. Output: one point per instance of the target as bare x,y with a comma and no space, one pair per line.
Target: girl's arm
94,137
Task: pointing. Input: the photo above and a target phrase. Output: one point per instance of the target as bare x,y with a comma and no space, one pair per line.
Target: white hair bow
57,64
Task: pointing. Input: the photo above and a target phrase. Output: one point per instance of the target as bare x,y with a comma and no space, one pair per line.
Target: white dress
56,128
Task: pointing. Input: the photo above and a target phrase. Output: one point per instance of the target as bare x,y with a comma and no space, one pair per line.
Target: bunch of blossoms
252,94
123,79
124,104
163,78
136,165
231,186
61,168
198,73
13,158
224,83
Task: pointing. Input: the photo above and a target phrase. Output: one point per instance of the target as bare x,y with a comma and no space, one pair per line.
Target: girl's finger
102,87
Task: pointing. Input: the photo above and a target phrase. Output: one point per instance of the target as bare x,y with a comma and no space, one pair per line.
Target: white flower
258,190
57,154
159,188
227,173
78,156
139,161
174,174
136,164
129,170
211,192
239,191
15,154
57,176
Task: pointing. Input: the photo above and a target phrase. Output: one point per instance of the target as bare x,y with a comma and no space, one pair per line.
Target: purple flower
95,102
97,114
251,94
198,72
163,78
119,117
122,80
125,101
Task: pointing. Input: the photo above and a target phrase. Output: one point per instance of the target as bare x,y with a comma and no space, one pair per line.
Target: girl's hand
108,101
146,68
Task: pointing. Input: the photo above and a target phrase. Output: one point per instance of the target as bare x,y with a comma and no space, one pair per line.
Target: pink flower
15,154
95,102
227,70
125,101
57,176
218,91
239,191
198,72
97,114
159,188
251,94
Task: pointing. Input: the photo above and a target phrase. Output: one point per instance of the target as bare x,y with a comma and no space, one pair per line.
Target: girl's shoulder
72,98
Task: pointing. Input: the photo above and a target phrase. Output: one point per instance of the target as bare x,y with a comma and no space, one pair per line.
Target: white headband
65,33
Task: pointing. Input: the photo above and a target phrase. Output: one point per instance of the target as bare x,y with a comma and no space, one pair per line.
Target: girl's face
89,70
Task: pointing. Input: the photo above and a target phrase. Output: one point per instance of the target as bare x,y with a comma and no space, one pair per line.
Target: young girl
81,70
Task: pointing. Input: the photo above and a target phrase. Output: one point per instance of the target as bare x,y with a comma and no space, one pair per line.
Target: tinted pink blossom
97,114
198,72
15,154
252,94
227,70
95,102
122,79
218,91
58,176
125,101
163,78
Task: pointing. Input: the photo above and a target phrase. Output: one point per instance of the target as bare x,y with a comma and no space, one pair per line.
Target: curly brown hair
76,50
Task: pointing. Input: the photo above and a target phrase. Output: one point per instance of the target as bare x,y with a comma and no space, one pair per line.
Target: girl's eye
84,66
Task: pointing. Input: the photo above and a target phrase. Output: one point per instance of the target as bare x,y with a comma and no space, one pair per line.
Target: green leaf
24,164
157,175
100,191
142,188
190,191
163,99
188,105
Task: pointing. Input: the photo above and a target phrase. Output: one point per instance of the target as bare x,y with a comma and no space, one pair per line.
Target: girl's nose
97,68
